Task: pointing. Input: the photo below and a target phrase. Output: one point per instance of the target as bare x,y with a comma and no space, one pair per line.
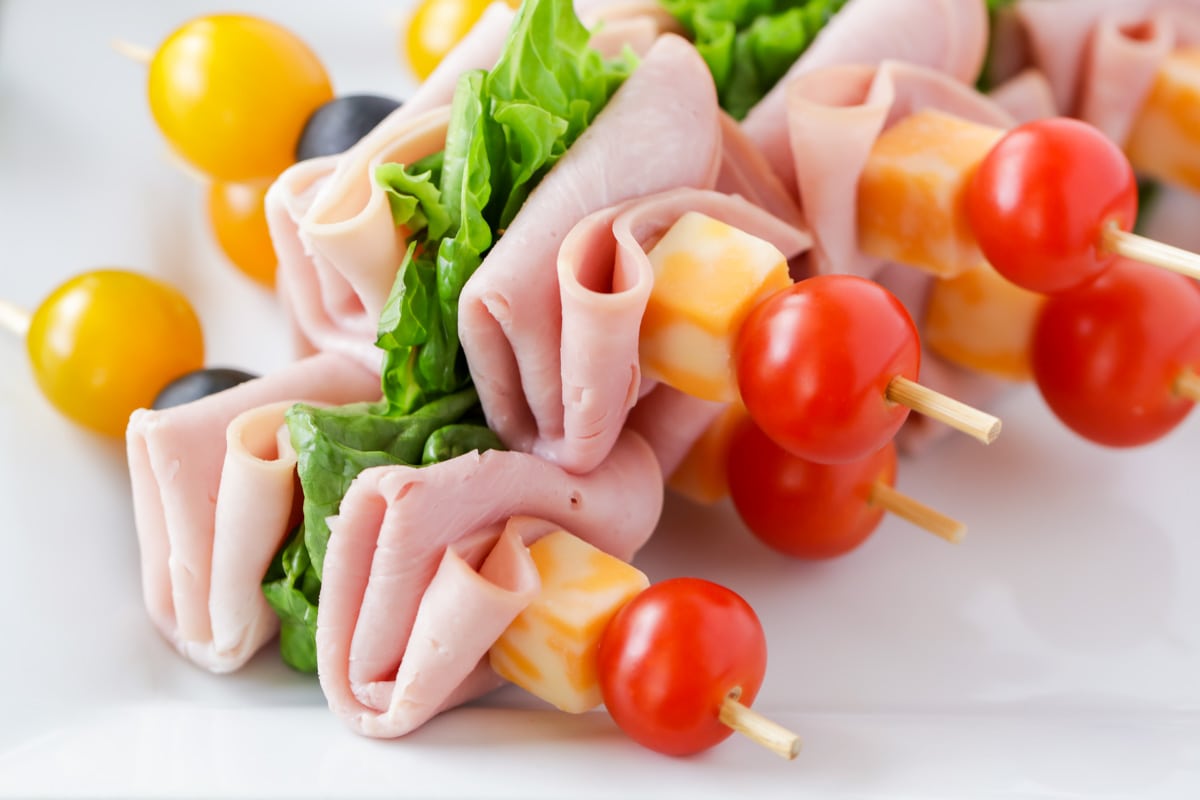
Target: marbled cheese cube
910,195
550,648
703,475
707,277
984,323
1164,142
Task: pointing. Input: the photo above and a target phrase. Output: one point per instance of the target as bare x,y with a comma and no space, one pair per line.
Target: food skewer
998,199
935,405
787,348
911,510
14,319
845,337
134,52
1136,247
597,631
1033,172
759,729
814,511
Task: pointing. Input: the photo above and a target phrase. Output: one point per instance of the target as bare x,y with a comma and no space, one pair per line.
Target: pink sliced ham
659,131
604,282
746,172
1101,56
426,568
1026,96
949,36
834,117
331,224
338,246
617,24
213,498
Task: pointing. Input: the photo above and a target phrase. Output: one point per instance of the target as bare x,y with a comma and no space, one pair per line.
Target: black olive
201,383
338,125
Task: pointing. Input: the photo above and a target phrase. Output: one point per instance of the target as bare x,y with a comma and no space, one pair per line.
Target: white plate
1054,653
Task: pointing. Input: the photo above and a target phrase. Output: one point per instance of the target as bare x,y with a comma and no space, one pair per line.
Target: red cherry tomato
801,508
671,656
1041,198
1106,355
814,362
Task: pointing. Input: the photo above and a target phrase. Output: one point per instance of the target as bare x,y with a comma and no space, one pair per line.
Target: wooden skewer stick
1148,251
134,52
1188,385
755,726
14,318
916,512
959,416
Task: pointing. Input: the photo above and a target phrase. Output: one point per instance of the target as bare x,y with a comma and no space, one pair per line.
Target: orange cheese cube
983,322
702,475
707,277
1164,142
550,648
910,195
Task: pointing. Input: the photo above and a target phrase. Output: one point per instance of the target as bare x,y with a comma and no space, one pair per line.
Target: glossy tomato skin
671,656
799,507
1040,199
238,216
814,362
231,94
1106,356
105,342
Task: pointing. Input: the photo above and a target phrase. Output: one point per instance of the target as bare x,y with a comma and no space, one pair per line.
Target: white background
1055,653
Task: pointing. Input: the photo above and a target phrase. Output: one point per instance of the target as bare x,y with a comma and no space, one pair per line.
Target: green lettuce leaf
749,44
333,446
291,587
986,80
414,198
508,127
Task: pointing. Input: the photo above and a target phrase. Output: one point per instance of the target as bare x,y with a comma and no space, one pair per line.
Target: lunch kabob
243,394
927,177
96,372
309,494
158,439
960,53
239,132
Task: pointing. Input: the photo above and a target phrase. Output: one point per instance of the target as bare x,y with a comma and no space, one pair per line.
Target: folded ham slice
338,246
659,131
834,117
420,580
604,282
1101,56
213,499
949,36
1026,96
617,24
332,226
746,172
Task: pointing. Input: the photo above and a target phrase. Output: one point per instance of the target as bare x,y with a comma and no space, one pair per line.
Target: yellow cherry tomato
105,342
239,223
436,26
232,93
